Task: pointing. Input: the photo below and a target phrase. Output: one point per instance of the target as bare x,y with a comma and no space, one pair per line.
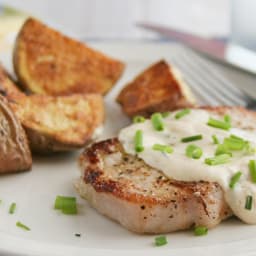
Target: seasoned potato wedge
15,155
59,123
47,62
54,123
157,89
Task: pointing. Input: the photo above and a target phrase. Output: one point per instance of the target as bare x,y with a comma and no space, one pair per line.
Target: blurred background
117,18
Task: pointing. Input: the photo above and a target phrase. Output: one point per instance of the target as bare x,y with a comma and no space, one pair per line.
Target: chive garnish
234,144
220,159
192,138
234,179
227,119
252,168
232,136
138,141
165,114
157,121
66,204
12,208
182,113
163,148
218,124
194,151
215,139
138,119
249,149
21,225
248,203
200,231
160,240
222,149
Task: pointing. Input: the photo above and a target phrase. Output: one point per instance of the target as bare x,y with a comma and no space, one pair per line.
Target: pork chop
141,198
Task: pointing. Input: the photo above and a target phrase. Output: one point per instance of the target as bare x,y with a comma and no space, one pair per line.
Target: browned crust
156,89
85,112
47,62
94,175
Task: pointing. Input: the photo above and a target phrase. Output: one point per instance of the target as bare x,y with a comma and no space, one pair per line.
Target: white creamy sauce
180,167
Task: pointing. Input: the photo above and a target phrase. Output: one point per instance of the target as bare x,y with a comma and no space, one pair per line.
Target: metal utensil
227,53
208,83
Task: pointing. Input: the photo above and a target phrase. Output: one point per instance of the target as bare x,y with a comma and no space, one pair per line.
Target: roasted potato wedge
15,155
47,62
59,123
157,89
54,123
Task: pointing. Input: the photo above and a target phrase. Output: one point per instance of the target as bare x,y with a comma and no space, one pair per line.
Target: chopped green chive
165,114
252,167
157,121
182,113
160,240
234,144
222,149
248,203
192,138
12,208
215,139
66,204
200,231
21,225
193,151
232,136
138,119
218,124
163,148
249,149
220,159
235,178
227,119
138,141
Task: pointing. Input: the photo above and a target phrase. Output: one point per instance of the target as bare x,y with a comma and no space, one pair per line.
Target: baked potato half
54,123
15,155
47,62
159,88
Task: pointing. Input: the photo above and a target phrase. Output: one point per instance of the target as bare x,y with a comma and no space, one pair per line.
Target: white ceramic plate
53,233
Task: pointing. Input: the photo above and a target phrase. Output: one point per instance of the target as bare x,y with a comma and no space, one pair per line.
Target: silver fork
209,84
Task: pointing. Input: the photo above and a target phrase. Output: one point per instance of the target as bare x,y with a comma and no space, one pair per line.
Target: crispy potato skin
157,89
47,62
15,155
54,124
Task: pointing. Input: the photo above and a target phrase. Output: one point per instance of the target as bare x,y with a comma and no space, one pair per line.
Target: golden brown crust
59,123
54,123
156,89
47,62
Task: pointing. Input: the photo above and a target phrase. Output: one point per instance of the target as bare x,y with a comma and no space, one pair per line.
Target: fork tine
232,92
217,88
206,84
212,88
204,97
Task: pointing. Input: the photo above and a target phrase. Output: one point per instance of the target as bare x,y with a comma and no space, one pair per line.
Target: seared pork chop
141,198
